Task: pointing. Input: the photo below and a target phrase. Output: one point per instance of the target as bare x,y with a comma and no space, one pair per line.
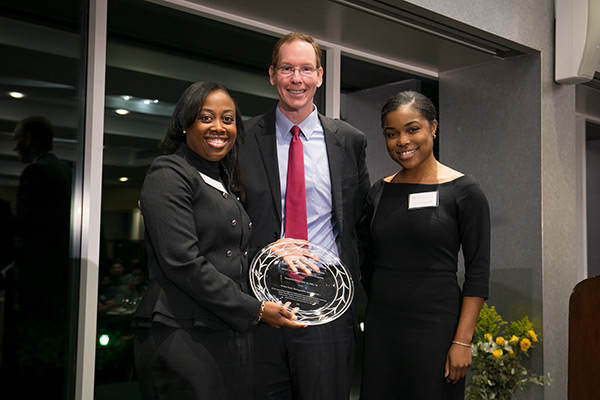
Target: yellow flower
525,344
497,354
511,354
500,341
487,337
513,340
534,338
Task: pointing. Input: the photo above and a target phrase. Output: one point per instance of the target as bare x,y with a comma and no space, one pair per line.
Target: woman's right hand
278,315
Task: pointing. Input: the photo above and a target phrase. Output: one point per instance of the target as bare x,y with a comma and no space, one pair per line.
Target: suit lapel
335,153
267,146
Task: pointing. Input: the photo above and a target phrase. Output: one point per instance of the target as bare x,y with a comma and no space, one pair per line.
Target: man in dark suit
42,232
316,362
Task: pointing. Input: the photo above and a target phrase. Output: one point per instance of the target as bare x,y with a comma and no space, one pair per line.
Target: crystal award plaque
320,296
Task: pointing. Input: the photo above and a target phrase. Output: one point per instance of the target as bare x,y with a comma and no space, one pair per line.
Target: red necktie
295,194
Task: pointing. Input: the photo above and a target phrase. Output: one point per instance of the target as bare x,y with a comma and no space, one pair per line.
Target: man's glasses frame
288,70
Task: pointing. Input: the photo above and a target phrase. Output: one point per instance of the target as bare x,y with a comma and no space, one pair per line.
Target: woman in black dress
192,338
419,322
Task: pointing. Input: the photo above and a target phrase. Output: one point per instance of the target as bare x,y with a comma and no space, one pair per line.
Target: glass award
320,296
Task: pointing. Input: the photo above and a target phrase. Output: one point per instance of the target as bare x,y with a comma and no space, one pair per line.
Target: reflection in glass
40,116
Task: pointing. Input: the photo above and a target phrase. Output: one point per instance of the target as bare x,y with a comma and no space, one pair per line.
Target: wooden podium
584,340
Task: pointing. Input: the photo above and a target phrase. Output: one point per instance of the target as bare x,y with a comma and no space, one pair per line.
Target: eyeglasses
288,70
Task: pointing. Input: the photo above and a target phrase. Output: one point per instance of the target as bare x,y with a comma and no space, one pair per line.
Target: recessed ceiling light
123,179
121,111
126,98
147,101
16,95
155,101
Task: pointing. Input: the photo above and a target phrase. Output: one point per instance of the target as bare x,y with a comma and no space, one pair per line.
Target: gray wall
530,23
490,116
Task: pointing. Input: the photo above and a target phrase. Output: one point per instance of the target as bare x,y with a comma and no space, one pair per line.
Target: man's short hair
291,37
40,130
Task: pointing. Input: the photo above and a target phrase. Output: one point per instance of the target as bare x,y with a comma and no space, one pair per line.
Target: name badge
213,182
423,200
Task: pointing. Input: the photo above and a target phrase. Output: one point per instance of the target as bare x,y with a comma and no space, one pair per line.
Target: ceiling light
155,101
16,95
147,101
123,179
126,98
121,111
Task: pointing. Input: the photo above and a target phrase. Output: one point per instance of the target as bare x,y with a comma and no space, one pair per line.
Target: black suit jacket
197,240
43,215
42,229
350,183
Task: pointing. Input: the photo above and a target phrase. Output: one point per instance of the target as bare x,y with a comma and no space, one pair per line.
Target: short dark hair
291,37
185,114
40,130
416,100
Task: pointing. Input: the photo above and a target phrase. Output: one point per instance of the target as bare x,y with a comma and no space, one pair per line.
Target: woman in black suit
192,338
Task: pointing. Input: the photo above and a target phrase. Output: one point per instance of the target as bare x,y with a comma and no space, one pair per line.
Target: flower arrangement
498,349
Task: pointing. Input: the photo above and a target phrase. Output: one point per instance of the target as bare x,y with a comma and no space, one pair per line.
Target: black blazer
43,217
42,231
197,241
350,183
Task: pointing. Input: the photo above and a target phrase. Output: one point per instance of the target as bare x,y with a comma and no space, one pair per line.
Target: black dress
409,272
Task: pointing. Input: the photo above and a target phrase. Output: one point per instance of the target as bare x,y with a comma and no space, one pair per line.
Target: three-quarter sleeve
366,246
474,229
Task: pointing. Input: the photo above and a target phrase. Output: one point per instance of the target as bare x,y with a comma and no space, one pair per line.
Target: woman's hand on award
296,254
278,315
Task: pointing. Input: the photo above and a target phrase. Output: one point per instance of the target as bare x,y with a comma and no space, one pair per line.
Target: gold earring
184,132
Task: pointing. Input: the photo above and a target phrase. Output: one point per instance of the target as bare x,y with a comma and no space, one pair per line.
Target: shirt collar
47,152
308,126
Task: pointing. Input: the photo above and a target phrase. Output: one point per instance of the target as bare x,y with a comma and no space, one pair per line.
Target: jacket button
245,254
233,222
225,195
229,253
250,225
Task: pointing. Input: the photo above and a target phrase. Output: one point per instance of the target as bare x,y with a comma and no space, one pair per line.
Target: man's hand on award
296,254
278,315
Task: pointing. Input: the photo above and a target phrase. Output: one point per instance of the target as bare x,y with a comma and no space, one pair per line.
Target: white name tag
423,200
213,182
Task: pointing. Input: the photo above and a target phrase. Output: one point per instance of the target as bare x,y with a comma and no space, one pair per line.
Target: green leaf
489,321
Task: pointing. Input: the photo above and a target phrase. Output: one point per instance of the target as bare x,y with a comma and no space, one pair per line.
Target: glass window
41,120
151,60
592,159
365,89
